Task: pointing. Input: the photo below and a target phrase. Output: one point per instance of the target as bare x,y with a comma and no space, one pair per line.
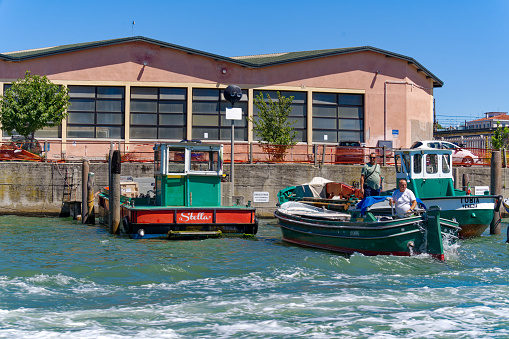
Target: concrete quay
39,188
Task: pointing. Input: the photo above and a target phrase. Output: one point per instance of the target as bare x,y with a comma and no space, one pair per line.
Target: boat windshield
205,161
176,160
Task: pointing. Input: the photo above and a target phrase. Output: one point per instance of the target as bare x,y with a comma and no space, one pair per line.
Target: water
61,279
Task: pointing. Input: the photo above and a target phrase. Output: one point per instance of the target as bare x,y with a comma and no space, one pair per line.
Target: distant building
491,121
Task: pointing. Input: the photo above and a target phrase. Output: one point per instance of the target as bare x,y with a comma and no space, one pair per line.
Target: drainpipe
385,99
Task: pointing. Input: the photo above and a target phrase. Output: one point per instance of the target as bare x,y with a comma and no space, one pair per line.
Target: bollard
114,194
84,181
91,199
496,188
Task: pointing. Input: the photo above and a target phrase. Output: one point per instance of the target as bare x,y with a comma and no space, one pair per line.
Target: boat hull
178,222
399,237
474,213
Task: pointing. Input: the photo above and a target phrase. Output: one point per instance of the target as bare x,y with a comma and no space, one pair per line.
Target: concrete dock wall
39,188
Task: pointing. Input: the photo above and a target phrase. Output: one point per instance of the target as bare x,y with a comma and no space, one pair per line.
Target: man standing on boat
403,199
371,177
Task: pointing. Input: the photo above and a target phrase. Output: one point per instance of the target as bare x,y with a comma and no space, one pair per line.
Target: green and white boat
428,173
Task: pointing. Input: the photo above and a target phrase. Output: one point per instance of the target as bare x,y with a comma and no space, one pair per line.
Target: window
297,115
446,163
417,163
96,112
338,117
209,116
158,113
431,163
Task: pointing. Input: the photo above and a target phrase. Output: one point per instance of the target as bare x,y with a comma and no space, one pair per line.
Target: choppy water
61,279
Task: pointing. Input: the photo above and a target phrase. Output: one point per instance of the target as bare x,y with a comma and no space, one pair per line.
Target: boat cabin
188,174
428,172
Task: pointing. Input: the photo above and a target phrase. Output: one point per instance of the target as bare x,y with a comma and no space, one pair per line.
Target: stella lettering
191,216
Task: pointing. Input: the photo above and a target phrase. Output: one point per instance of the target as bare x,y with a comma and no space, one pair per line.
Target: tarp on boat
315,188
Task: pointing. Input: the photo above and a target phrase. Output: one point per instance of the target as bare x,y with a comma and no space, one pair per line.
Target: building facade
138,89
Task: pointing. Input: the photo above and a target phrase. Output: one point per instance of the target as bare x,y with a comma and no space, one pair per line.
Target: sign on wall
260,196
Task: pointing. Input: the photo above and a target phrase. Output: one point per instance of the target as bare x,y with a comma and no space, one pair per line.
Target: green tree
273,126
31,104
499,138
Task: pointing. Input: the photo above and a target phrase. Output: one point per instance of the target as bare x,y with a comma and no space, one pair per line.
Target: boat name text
190,216
469,202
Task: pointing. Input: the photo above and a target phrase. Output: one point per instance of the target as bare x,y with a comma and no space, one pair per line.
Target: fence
98,151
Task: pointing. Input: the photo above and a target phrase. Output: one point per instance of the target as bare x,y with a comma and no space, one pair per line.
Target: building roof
502,116
252,61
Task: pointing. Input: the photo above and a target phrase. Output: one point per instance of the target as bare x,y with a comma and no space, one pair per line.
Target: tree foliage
273,126
31,104
499,138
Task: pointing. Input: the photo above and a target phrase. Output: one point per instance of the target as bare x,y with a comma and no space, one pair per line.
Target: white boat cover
304,210
317,185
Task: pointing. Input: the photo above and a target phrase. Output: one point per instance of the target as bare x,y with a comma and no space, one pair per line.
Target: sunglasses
372,157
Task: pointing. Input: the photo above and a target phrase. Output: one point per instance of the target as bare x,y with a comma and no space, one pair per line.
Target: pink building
137,89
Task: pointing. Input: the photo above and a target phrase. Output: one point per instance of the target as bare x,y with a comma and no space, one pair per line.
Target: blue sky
464,43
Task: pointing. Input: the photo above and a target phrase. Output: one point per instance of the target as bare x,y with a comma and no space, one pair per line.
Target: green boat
428,173
366,233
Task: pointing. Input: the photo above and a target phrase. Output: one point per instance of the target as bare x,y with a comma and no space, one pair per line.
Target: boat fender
255,227
410,245
498,202
125,225
141,232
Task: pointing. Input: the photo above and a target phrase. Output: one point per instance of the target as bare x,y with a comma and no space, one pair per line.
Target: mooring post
315,151
84,194
504,158
496,188
114,202
464,183
110,156
91,199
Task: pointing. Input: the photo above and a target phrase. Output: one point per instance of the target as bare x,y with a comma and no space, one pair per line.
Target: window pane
49,132
82,105
110,119
226,122
325,111
201,94
205,133
350,99
110,92
80,132
242,99
299,122
144,119
109,132
324,99
417,163
172,119
350,124
177,133
144,106
147,93
298,110
81,118
172,93
322,123
82,91
110,105
301,136
324,136
351,112
206,107
205,120
143,132
240,134
347,136
172,107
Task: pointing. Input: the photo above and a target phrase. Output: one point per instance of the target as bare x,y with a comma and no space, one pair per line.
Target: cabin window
176,160
397,162
446,163
205,161
157,161
406,160
431,163
417,163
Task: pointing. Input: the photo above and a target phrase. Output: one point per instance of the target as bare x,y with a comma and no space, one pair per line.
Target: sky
463,43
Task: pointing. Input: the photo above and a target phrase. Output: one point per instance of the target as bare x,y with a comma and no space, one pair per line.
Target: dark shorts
370,192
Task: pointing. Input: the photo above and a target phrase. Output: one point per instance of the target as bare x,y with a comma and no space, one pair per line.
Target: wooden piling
91,199
84,194
465,181
114,194
496,188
